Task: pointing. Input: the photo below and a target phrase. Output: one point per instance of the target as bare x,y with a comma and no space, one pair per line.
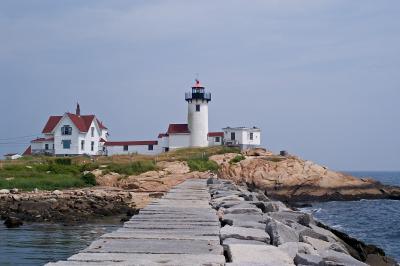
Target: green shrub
63,161
134,168
202,165
89,179
237,159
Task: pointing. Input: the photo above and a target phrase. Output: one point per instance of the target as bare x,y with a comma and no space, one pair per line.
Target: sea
373,221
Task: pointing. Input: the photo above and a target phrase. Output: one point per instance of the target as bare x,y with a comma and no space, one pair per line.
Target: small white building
215,138
244,137
131,147
12,156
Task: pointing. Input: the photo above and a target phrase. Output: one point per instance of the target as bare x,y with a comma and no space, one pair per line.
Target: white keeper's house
76,134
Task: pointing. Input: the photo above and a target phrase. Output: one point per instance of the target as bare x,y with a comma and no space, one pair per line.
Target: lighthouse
198,100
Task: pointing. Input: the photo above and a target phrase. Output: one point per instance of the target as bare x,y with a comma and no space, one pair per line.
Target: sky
320,77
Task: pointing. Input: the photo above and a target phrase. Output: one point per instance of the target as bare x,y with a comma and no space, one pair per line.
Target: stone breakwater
258,231
68,206
179,229
215,222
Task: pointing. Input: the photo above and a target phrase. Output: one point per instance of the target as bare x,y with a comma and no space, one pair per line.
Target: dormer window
66,130
92,131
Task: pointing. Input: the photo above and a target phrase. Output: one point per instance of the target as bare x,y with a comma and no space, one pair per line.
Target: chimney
78,109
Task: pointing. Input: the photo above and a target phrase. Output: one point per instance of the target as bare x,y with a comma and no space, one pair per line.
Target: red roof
82,122
178,129
215,134
197,84
51,124
161,135
131,143
42,140
28,151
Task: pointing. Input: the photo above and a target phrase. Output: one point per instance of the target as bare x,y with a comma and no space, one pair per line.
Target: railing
200,96
43,151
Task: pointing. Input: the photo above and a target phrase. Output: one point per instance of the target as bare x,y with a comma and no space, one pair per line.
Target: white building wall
198,123
132,149
58,138
40,147
177,141
242,136
212,141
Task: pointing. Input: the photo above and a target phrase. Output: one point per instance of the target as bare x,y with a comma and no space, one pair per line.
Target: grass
237,159
202,165
49,173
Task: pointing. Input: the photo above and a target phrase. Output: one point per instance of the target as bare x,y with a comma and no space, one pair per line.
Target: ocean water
37,244
373,221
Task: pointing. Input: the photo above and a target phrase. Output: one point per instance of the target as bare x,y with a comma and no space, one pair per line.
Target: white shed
244,137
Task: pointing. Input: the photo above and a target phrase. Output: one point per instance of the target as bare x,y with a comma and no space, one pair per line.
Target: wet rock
280,233
244,233
13,222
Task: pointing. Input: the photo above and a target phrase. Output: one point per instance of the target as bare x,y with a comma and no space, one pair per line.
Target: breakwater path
179,229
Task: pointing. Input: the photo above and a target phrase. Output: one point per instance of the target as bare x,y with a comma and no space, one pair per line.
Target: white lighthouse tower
198,100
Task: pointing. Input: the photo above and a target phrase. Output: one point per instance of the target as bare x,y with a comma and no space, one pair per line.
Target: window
217,139
92,131
66,144
126,148
251,135
46,146
66,130
92,146
197,107
233,136
82,144
53,146
151,147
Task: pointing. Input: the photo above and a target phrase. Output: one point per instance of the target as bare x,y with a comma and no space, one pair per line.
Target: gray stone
244,233
298,217
334,258
4,191
229,241
292,248
274,206
242,254
311,233
321,245
249,224
280,233
231,218
242,210
307,259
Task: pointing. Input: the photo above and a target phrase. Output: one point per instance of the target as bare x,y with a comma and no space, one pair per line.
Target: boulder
321,245
243,209
4,191
298,217
280,233
244,233
233,218
14,190
242,254
332,258
274,206
13,222
230,241
57,192
292,248
307,259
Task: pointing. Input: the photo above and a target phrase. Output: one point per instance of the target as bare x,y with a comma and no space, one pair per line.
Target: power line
21,137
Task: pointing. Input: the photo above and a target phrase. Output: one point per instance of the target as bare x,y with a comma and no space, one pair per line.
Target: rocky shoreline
258,230
66,207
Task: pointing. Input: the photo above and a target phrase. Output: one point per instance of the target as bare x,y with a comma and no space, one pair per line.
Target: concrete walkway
179,229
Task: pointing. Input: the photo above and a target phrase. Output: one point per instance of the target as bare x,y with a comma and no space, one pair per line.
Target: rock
230,241
311,233
232,218
299,217
274,206
332,258
13,222
292,248
244,233
307,259
16,197
4,191
242,254
249,224
280,233
238,209
14,190
321,245
57,192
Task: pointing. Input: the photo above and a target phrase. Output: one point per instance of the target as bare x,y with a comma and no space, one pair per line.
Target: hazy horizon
319,77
